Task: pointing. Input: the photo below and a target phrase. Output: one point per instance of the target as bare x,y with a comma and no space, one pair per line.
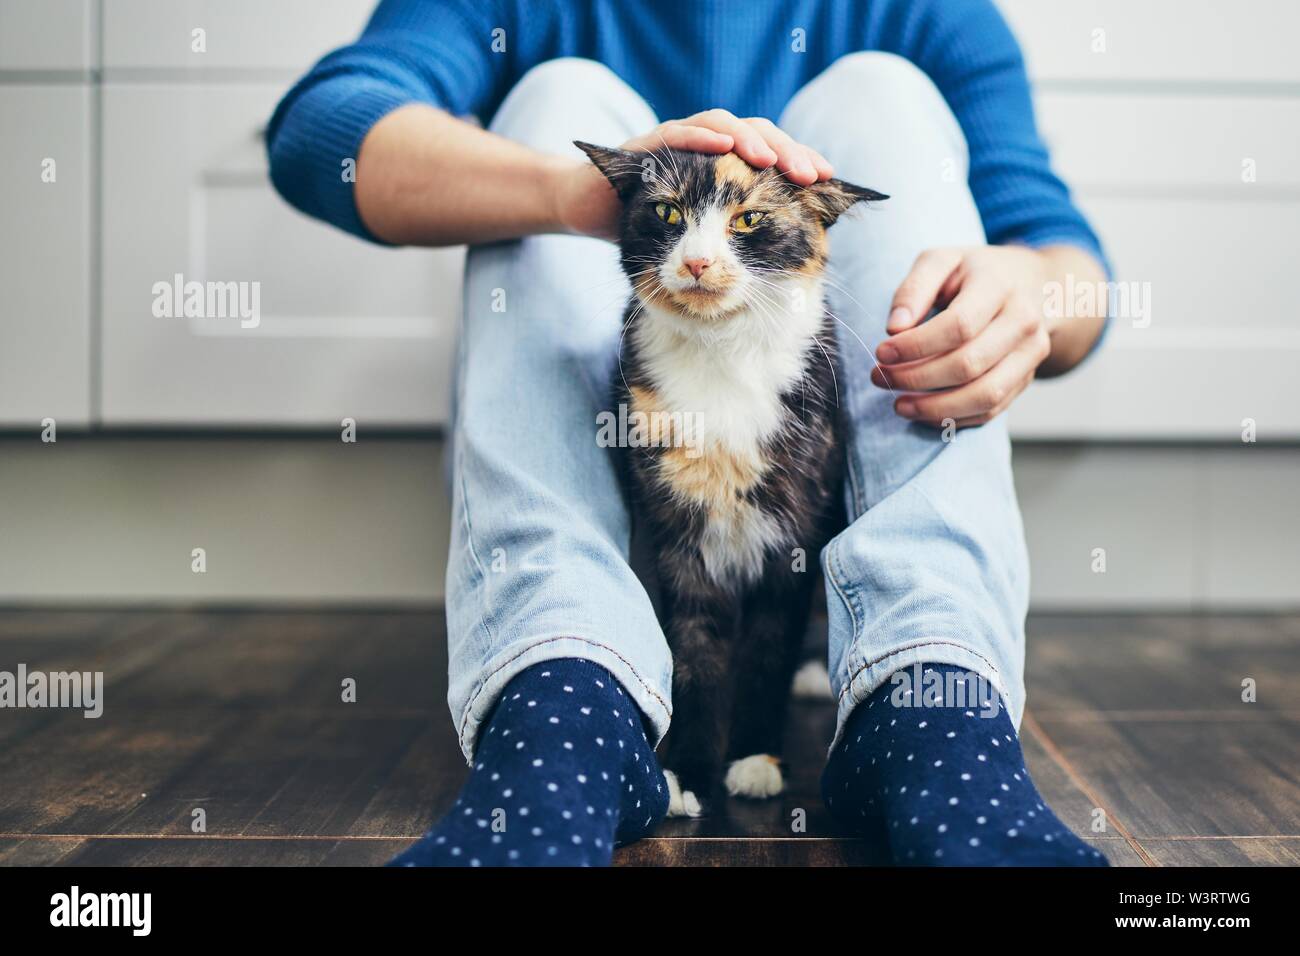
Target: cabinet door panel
44,255
344,329
1202,41
1201,231
238,34
46,35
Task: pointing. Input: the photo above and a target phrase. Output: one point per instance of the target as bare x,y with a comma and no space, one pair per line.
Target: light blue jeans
933,565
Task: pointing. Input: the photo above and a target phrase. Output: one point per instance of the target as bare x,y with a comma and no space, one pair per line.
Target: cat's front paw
812,682
757,776
681,803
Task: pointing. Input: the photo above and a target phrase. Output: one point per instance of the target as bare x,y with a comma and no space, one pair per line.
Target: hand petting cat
588,206
968,363
965,365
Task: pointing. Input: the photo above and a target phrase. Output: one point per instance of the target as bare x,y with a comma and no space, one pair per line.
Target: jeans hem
524,654
869,676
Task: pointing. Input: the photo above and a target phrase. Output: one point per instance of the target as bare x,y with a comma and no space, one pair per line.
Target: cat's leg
767,651
538,564
933,570
699,618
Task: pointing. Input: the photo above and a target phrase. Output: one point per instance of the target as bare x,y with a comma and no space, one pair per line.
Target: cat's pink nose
697,266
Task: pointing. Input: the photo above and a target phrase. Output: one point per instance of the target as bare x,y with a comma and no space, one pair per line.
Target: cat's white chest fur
728,376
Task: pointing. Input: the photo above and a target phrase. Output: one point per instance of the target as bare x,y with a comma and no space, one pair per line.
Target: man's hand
586,205
992,336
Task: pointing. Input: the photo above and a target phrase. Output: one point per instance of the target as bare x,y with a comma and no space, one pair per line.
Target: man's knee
880,78
559,99
559,316
566,80
874,95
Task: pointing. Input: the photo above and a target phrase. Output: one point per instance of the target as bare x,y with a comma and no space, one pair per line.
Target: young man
560,676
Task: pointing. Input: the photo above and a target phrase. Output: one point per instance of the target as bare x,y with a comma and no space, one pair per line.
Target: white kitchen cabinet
45,262
1196,41
346,329
1209,250
47,34
1177,126
1113,143
237,34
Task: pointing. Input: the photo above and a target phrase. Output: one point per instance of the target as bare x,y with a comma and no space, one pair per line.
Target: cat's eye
747,221
668,213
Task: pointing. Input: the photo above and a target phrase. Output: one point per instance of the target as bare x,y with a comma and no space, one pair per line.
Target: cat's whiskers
845,292
830,366
642,302
767,306
840,287
672,160
649,173
620,297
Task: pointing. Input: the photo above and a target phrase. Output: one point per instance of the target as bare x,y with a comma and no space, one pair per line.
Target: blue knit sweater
682,56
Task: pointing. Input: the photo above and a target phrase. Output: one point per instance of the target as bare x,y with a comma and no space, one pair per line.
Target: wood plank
240,713
1117,851
1154,665
751,851
218,851
1061,793
247,724
38,851
1264,851
1189,777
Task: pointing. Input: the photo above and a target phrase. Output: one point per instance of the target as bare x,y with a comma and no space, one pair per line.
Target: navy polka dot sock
943,777
563,771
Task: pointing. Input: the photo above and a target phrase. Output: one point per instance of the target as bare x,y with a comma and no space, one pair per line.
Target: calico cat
728,364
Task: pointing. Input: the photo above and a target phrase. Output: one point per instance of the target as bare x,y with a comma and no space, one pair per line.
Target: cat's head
706,236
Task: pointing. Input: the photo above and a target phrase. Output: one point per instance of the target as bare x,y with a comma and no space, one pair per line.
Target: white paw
681,803
757,776
812,682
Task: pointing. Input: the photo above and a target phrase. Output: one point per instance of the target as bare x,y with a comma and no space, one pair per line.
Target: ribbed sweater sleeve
438,53
971,54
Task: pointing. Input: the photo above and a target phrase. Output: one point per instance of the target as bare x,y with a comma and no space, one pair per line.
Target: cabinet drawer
1201,229
1140,145
238,34
344,329
1215,343
46,35
1203,41
44,255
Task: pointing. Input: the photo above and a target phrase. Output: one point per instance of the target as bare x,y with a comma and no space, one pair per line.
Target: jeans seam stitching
485,618
469,705
469,527
855,486
927,642
834,575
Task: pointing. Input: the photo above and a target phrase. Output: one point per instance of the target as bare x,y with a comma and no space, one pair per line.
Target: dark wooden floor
239,714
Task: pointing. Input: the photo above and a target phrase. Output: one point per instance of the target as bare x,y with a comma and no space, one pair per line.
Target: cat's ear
624,169
831,198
